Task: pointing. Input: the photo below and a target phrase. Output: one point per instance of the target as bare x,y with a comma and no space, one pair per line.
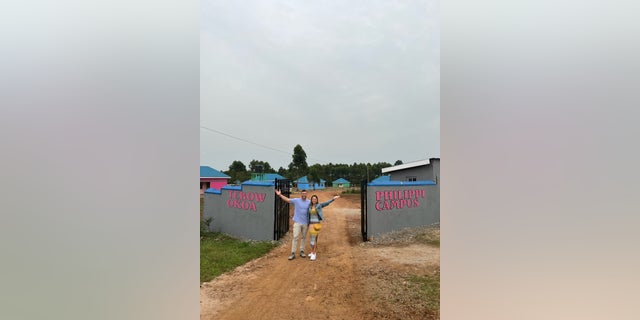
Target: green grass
428,287
220,253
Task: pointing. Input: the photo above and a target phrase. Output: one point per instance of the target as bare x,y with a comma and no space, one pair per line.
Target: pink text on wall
245,200
398,199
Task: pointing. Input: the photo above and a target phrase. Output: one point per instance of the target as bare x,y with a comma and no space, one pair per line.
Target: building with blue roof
212,178
427,169
303,183
341,183
385,178
267,177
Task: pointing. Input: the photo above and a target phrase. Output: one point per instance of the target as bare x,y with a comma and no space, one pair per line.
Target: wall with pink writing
394,206
245,211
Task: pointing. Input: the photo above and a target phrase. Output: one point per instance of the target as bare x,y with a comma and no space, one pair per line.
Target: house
385,178
211,178
303,183
421,170
266,177
341,183
320,185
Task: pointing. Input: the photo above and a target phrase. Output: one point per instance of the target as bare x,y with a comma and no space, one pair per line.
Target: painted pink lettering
408,203
244,205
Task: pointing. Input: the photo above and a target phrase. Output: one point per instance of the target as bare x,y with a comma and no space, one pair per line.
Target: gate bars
281,209
363,209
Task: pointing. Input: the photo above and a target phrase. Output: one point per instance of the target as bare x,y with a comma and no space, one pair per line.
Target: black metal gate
363,209
281,209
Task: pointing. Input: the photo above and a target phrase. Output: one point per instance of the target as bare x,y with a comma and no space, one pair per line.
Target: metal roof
208,172
414,164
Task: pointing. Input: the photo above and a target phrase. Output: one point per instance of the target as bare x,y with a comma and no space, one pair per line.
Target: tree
262,166
299,162
237,166
397,163
314,174
376,169
238,171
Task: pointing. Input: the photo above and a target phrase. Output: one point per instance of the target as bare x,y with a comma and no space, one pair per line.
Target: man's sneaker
292,256
313,256
302,255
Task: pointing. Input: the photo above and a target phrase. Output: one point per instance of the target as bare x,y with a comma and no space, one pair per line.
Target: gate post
363,209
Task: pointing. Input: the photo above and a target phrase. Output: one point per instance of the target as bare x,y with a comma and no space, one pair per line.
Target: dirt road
347,281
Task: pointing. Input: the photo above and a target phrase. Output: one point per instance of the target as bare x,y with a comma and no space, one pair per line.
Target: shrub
204,226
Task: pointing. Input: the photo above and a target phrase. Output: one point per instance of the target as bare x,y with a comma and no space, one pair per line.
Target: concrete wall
435,162
393,206
245,211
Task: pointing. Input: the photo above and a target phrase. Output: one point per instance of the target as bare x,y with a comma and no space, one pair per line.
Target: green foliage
260,166
314,174
204,226
220,253
238,171
237,166
397,163
298,167
299,161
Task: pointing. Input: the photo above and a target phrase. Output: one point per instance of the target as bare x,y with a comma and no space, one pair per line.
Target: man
300,221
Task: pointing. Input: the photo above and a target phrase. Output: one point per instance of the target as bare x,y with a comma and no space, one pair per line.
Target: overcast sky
350,81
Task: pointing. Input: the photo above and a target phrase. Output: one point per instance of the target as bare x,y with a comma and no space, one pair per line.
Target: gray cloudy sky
350,81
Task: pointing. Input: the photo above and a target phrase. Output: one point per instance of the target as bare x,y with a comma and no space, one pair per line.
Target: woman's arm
283,197
326,203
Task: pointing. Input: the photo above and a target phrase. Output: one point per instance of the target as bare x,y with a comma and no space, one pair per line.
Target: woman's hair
314,196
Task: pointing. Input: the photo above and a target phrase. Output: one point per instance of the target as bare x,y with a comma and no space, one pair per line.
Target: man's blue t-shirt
300,210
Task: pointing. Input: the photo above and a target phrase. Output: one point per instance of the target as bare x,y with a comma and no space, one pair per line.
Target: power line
244,140
251,142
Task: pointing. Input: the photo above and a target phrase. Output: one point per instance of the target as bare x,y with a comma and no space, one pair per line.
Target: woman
315,216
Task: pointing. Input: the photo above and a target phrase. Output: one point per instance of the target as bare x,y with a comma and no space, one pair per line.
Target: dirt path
337,285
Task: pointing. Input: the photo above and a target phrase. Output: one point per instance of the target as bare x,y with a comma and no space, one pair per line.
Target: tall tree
397,163
299,161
